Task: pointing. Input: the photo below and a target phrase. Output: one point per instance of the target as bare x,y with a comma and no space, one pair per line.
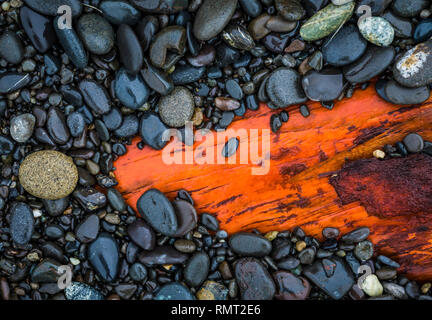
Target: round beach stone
119,12
212,17
345,47
372,286
411,8
48,174
11,48
413,142
284,89
96,33
22,126
377,30
326,85
177,107
401,95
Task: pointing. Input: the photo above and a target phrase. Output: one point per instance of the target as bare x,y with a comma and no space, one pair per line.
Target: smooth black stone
21,223
103,255
151,130
51,7
345,47
403,27
234,90
249,244
410,8
356,235
56,126
157,210
156,79
119,149
88,230
52,64
226,55
288,263
209,221
138,272
252,8
379,88
7,145
43,137
71,95
226,120
398,94
185,74
145,30
11,47
38,28
116,200
90,199
13,81
326,85
374,61
46,272
186,217
54,231
95,96
85,179
197,269
119,12
141,234
113,119
131,90
162,255
174,291
254,281
337,285
76,123
414,143
161,6
281,250
283,88
230,148
387,261
252,102
239,112
96,33
52,250
56,207
192,43
423,31
72,45
129,127
313,6
401,149
275,42
131,54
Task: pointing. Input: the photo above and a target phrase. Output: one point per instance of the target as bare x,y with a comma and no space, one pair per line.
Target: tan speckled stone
48,174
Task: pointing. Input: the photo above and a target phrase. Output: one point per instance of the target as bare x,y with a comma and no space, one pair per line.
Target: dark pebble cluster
138,67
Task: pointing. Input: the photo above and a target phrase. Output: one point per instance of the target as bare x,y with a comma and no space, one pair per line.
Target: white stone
371,286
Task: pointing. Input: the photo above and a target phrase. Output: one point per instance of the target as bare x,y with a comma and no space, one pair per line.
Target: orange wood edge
296,191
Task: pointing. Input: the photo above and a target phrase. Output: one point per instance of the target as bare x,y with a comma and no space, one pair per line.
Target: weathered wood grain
296,191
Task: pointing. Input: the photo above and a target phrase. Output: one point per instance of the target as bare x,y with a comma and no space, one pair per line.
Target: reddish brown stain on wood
275,201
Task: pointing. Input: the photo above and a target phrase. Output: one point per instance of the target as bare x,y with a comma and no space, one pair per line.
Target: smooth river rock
95,96
400,95
284,89
103,254
119,12
38,28
21,223
326,85
131,90
11,47
96,33
249,244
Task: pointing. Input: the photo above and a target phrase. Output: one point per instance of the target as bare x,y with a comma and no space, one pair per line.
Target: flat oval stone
72,45
96,33
151,130
356,235
177,108
326,21
414,143
95,96
291,10
13,81
48,174
157,80
258,26
131,90
38,28
423,30
174,291
410,8
196,269
284,89
377,30
400,95
291,287
254,281
234,90
345,47
21,223
51,7
161,6
88,230
372,63
162,255
119,12
414,68
279,24
186,217
249,244
326,85
22,126
146,29
141,234
103,255
56,207
169,40
81,291
212,17
11,47
252,8
185,74
76,123
403,27
157,210
56,125
131,54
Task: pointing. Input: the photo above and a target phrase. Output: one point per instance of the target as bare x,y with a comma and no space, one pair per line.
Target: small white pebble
37,213
379,154
5,6
75,261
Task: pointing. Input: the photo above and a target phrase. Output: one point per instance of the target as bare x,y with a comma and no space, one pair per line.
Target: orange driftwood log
305,153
